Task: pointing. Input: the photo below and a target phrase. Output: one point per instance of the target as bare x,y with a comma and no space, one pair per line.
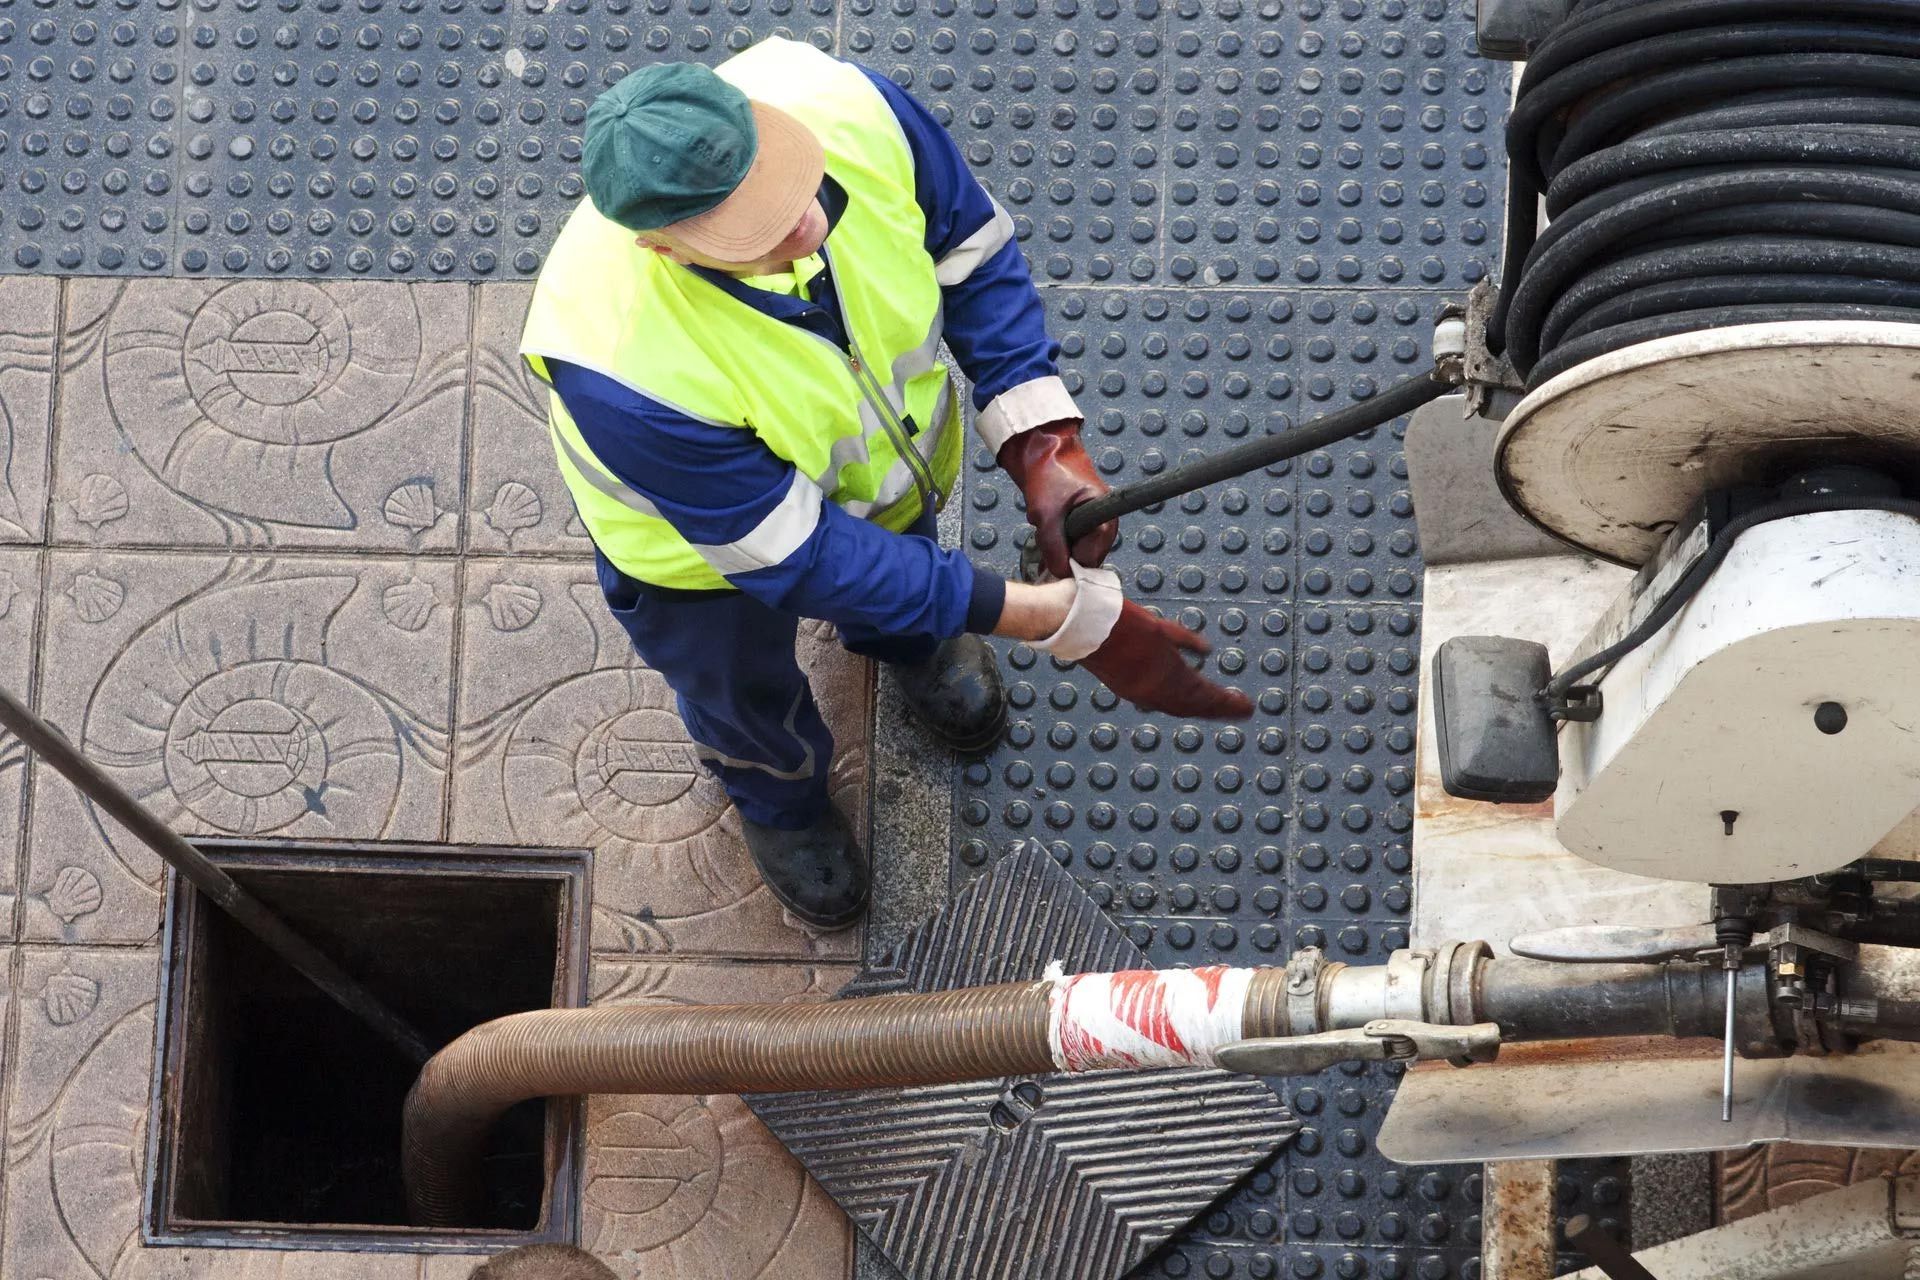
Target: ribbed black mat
1028,1178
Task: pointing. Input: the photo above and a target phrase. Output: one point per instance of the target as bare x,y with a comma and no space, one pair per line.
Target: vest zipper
876,396
918,467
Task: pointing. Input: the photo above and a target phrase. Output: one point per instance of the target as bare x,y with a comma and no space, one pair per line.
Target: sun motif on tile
264,377
223,722
686,1189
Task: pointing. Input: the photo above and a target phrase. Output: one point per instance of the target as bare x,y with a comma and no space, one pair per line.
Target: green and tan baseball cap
674,147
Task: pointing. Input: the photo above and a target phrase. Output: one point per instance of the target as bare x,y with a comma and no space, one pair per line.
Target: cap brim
768,204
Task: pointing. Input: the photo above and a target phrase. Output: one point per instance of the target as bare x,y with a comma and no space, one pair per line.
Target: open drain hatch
277,1115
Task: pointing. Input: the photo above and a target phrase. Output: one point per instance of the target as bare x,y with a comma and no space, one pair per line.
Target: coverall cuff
1031,404
985,605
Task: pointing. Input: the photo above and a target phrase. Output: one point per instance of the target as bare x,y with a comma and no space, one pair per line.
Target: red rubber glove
1053,470
1142,662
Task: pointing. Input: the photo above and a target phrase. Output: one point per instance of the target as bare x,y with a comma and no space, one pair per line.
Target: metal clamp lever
1382,1040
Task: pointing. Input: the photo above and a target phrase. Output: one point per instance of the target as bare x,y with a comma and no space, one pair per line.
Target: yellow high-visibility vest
875,428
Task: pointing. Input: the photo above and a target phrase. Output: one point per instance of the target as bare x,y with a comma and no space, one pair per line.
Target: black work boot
819,873
958,694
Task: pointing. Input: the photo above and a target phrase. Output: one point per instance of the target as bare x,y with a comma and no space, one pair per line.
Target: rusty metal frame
570,869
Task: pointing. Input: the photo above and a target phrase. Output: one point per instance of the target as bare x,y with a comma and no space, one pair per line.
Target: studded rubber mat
987,1180
1245,212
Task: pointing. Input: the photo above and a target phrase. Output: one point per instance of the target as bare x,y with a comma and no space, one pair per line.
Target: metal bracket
1450,345
1382,1040
1798,935
1580,704
1493,386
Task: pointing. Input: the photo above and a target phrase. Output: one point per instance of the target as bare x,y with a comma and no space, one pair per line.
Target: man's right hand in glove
1140,657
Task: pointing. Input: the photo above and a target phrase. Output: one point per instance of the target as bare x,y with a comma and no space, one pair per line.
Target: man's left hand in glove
1053,470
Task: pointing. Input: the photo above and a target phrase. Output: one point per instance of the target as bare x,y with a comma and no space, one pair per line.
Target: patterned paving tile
77,1113
244,696
280,413
76,1125
30,306
19,605
519,502
565,738
697,1188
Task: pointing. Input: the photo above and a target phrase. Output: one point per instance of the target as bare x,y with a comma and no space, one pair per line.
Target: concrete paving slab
567,739
281,697
283,413
31,307
19,606
695,1188
518,503
76,1127
77,1113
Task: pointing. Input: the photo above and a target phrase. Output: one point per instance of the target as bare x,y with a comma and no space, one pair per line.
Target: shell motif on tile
95,596
515,507
100,501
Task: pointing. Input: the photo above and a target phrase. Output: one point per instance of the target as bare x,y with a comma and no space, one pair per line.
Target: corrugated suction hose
1095,1021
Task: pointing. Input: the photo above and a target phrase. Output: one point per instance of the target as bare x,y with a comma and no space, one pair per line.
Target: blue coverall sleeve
766,527
996,324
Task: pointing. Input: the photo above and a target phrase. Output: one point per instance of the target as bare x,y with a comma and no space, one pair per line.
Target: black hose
1707,163
1401,398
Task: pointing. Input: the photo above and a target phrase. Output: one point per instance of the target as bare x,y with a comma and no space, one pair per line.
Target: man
740,329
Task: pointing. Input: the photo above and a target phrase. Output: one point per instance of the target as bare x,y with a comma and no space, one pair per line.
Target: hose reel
1727,289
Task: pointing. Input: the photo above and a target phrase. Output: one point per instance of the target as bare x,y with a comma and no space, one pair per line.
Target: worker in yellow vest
741,332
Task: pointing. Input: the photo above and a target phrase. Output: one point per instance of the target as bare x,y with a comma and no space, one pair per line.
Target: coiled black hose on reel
1709,163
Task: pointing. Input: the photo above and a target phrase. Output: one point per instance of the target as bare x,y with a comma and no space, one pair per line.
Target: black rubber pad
992,1180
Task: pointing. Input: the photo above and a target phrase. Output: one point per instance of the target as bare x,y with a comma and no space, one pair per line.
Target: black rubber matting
1296,145
992,1180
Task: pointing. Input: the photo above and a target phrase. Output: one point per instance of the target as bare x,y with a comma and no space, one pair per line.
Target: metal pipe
1584,1234
1401,398
53,746
1540,1000
1880,993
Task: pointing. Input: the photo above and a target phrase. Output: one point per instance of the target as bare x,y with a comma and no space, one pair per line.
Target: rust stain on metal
1433,804
1517,1226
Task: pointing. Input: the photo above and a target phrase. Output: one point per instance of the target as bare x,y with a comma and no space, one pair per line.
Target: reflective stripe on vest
875,429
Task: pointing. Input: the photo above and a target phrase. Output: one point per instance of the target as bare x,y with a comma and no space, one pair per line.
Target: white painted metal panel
1715,714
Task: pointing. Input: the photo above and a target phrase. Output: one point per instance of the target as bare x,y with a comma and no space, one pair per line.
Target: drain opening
280,1113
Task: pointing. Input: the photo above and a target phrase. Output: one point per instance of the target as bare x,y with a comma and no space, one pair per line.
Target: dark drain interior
282,1111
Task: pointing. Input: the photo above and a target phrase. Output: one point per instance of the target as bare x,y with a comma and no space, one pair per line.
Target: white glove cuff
1090,620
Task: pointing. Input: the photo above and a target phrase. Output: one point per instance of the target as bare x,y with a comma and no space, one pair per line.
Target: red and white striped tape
1146,1017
